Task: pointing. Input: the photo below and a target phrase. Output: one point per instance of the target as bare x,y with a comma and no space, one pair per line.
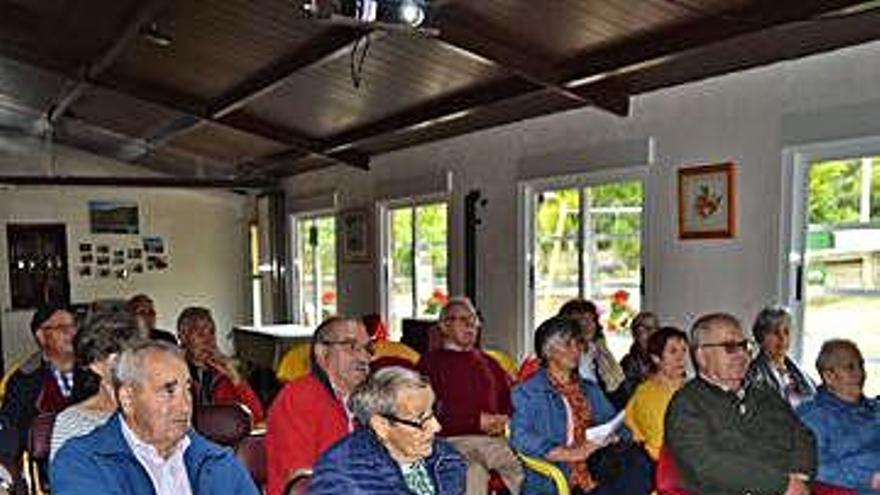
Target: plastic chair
548,470
542,467
226,424
39,446
507,363
295,363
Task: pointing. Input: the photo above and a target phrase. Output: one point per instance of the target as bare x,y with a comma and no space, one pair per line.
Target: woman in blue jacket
554,408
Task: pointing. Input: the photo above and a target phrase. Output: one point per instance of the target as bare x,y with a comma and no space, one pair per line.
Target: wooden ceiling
245,89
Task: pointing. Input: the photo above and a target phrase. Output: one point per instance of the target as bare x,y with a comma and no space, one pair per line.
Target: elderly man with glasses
394,450
731,437
42,384
310,413
475,393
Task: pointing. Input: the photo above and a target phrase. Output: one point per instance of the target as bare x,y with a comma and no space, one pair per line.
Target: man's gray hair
458,302
129,368
831,353
378,395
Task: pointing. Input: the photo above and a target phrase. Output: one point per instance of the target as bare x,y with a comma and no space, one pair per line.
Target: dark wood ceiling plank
325,45
145,12
596,65
166,182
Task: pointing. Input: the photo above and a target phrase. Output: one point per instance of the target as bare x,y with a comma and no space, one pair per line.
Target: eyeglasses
352,345
419,425
733,346
467,320
64,327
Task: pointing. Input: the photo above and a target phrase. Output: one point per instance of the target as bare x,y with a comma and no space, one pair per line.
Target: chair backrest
226,424
251,452
299,483
668,477
39,446
819,488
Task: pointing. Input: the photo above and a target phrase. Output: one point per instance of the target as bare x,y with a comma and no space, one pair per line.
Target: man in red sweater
311,413
474,396
216,379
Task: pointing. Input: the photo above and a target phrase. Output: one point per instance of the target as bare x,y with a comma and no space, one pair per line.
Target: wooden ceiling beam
463,30
144,13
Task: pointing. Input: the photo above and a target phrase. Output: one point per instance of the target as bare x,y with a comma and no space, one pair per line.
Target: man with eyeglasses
476,401
394,449
731,437
310,413
42,384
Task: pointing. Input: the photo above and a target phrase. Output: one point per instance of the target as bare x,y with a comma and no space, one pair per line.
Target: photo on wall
113,217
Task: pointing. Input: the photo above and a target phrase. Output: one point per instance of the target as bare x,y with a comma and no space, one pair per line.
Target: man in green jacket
727,436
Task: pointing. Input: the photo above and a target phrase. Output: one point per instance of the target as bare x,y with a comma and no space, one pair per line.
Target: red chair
226,424
39,445
668,477
819,488
251,452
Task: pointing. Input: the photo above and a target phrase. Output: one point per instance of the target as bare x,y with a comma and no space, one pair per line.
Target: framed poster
355,236
707,202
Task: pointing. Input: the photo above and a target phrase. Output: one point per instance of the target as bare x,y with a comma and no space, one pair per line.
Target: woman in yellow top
668,350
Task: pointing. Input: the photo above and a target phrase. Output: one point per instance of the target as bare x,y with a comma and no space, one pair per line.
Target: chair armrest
547,469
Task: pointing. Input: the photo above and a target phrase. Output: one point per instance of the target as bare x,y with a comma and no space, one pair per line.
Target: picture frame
707,201
355,236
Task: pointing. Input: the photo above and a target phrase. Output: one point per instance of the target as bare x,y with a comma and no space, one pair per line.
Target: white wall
204,233
747,118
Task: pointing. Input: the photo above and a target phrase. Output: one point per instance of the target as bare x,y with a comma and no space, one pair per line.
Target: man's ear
125,396
699,358
380,426
40,335
654,359
827,376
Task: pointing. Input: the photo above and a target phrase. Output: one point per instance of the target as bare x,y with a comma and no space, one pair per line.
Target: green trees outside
835,191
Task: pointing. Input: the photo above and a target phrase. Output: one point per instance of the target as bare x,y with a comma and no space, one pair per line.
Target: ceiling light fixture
393,15
412,13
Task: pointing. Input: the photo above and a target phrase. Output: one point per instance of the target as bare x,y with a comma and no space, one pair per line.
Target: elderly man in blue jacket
845,422
394,450
149,447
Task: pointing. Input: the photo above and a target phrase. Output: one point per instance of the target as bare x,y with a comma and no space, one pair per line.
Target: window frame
384,209
528,191
296,296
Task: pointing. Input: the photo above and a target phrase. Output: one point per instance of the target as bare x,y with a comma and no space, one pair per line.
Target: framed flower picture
707,202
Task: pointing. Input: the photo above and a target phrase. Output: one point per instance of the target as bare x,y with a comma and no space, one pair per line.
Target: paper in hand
601,433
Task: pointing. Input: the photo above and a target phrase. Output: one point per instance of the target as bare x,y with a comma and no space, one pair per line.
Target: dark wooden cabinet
37,264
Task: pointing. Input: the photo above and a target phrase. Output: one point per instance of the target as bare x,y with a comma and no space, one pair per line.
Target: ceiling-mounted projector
380,14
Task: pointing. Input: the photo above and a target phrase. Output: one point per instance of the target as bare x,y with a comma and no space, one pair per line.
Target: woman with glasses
637,364
394,450
772,366
596,364
668,350
554,409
